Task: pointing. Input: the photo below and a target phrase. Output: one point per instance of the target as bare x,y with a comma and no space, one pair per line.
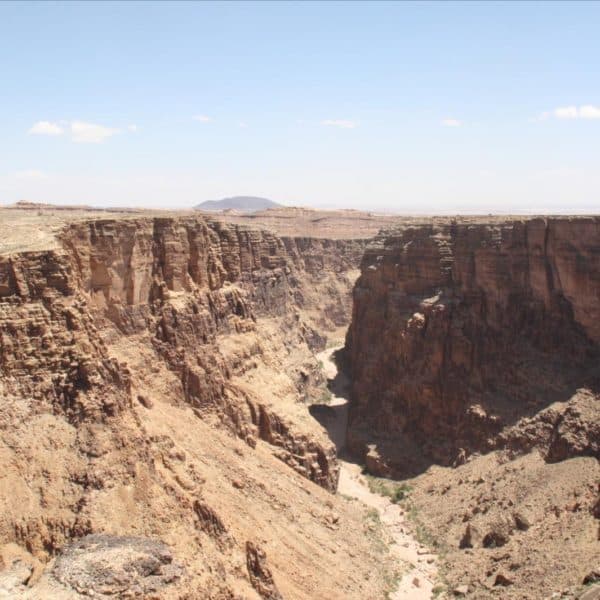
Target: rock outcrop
152,379
259,573
116,566
50,348
188,283
467,338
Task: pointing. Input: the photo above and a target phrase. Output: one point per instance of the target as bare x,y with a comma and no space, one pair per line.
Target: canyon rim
165,412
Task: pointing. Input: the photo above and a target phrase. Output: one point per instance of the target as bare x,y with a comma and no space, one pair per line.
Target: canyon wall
152,379
188,283
471,337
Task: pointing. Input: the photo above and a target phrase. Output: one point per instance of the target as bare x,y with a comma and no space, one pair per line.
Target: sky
406,107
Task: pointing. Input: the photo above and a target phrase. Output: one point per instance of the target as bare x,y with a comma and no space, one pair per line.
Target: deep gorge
154,366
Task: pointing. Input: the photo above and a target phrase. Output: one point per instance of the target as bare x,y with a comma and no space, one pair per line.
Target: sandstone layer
153,373
467,338
473,353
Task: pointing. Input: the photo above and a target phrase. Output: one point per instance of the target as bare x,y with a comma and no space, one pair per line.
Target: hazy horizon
413,108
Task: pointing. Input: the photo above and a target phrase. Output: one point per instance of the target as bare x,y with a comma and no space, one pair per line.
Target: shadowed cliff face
466,338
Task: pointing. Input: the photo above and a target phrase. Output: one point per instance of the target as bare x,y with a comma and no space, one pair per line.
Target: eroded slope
152,372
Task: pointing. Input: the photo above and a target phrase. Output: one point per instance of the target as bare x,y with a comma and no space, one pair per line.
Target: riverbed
416,563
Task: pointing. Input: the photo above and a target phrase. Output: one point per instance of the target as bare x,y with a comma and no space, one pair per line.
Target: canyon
154,377
475,374
167,405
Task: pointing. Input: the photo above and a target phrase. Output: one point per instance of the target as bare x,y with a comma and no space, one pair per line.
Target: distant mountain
243,203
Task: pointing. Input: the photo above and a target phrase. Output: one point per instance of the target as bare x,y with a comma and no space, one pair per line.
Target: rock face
191,282
116,566
466,338
50,348
152,373
259,573
473,354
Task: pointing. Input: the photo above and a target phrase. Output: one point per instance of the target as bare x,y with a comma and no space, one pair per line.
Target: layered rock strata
473,353
187,283
466,338
151,379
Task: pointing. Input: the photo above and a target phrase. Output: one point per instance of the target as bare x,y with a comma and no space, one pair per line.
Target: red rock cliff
192,283
469,337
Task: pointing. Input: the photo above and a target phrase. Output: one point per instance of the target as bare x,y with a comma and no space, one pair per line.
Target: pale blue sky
435,107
